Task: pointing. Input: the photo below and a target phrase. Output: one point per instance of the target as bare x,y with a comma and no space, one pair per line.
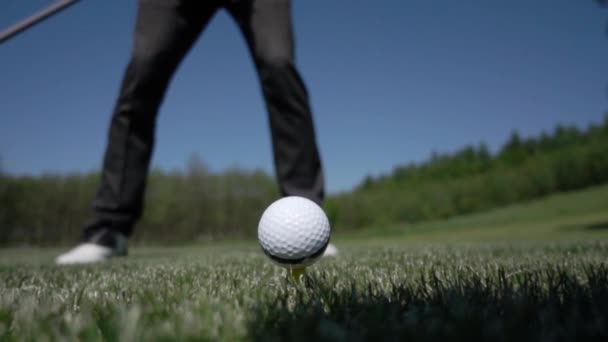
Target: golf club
34,19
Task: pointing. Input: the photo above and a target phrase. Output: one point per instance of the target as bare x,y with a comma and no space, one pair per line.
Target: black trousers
165,30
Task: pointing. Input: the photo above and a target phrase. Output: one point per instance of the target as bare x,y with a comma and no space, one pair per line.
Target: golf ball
294,231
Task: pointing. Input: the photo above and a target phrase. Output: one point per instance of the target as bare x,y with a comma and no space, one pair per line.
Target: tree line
472,179
187,205
195,204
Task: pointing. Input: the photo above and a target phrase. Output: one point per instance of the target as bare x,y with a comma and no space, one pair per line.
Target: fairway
535,271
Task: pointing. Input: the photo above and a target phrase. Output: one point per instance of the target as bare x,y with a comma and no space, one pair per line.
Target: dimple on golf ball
294,231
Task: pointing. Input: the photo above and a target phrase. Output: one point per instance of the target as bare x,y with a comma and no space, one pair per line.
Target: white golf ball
294,231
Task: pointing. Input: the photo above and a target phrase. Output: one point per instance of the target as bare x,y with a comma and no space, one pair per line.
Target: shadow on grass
595,226
548,305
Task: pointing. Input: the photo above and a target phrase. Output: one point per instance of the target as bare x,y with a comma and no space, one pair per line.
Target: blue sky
390,81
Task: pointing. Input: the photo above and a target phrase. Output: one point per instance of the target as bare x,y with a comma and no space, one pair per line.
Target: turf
577,215
432,282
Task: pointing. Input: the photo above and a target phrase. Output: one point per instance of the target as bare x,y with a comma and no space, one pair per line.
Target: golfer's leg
164,32
267,27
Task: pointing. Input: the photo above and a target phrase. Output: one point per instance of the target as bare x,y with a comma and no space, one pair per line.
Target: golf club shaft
34,19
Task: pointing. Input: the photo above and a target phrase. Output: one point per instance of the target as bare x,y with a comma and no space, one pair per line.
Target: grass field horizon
581,214
530,272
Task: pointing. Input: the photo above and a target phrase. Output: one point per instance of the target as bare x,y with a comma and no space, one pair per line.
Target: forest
195,204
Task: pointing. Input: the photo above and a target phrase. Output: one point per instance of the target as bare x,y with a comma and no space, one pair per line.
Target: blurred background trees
195,204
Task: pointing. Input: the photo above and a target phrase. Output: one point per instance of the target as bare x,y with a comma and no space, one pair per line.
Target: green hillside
197,205
576,215
473,180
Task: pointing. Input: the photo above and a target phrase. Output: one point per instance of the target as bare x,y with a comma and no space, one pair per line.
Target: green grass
580,215
533,272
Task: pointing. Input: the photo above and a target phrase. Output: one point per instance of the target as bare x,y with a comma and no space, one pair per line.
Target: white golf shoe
330,251
100,247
